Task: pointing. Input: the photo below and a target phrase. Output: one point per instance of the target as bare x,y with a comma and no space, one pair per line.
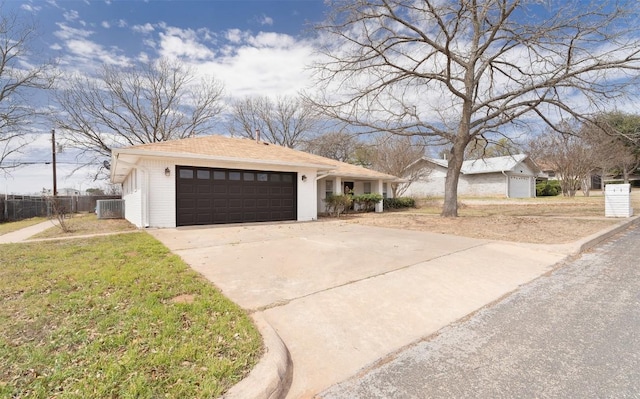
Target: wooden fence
19,207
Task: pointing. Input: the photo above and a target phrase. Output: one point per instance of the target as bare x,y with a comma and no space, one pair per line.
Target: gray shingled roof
489,165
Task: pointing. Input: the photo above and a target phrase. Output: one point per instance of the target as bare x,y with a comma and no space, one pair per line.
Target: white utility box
617,201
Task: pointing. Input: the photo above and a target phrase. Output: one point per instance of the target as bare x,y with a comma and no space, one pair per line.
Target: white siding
430,186
483,184
162,192
133,203
307,195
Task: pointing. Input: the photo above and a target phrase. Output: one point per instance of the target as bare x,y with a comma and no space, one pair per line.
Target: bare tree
397,156
482,148
20,78
570,155
155,102
286,121
340,146
455,70
615,137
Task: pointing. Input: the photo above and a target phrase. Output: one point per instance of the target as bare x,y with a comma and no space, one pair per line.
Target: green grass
97,318
9,227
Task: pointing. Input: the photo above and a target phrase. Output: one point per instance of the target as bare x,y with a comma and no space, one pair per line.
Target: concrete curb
596,238
271,377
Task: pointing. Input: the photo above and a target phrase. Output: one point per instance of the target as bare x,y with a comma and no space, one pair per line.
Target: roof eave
164,154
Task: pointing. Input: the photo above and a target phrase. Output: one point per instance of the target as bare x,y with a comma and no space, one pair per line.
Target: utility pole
53,159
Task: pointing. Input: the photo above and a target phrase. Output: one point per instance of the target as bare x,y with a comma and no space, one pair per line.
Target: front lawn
84,224
116,316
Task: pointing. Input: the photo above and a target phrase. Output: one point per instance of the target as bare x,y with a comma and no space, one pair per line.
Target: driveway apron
342,295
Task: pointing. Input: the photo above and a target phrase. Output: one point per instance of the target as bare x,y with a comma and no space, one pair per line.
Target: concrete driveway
343,295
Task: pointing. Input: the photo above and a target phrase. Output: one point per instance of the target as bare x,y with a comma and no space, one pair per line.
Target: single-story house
217,179
512,176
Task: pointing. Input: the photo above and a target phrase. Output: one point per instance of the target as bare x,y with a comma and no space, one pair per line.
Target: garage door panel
211,196
203,189
203,203
519,186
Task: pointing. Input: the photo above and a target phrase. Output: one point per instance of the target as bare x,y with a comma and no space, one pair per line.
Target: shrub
367,202
337,204
398,203
548,188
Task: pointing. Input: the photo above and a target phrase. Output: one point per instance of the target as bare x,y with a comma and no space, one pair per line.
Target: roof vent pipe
257,135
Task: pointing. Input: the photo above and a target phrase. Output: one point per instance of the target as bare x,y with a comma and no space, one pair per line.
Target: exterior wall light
304,177
167,171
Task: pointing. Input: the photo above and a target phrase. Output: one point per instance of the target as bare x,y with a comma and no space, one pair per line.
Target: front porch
338,185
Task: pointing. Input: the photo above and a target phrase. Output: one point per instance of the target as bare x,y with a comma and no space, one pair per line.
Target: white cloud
55,47
94,52
106,24
83,52
71,15
234,35
30,8
122,23
66,32
272,39
183,43
265,20
262,66
146,28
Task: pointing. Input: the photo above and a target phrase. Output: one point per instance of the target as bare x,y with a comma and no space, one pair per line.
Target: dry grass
546,220
87,224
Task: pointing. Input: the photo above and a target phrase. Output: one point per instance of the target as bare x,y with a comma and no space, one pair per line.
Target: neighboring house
511,176
69,192
217,179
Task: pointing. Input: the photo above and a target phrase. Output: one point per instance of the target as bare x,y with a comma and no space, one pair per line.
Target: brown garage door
214,196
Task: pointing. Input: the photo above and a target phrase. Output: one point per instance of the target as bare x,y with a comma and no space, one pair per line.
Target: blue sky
255,47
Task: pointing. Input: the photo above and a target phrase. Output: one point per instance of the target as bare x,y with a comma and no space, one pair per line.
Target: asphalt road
572,334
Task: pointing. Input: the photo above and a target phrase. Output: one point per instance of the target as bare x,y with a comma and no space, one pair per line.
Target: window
384,190
248,176
367,187
287,178
219,175
263,177
203,174
186,174
275,177
234,175
328,188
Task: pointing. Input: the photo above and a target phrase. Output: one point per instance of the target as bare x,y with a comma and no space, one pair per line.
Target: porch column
337,186
378,190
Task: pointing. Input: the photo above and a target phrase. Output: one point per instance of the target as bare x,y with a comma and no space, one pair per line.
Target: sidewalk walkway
26,233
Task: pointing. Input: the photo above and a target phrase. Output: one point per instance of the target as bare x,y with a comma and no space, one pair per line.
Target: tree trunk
456,157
